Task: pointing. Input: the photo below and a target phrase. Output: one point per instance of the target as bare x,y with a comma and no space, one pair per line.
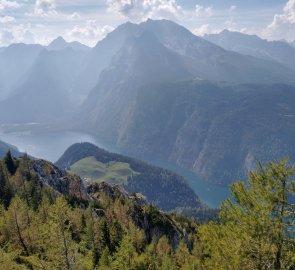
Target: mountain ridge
200,128
279,51
163,188
5,147
60,44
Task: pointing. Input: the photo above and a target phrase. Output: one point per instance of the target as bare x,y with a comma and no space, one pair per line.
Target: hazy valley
109,91
121,154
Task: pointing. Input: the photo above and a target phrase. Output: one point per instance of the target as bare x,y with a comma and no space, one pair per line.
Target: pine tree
5,191
257,230
18,225
104,261
61,250
182,255
125,256
96,238
11,167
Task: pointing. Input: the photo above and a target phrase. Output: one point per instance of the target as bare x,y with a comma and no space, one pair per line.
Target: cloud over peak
90,32
283,24
140,10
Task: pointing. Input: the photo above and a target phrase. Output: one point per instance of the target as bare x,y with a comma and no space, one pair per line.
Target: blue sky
40,21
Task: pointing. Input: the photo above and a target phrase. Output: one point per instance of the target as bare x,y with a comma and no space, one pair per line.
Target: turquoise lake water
51,146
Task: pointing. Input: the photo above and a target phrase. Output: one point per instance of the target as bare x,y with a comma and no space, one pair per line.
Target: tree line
42,229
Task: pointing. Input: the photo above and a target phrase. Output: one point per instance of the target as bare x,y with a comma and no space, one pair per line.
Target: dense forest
49,220
165,189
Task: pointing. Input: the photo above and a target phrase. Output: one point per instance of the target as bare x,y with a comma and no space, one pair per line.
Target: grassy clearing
92,170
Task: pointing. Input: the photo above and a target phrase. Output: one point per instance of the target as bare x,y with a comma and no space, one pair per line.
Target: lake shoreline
50,145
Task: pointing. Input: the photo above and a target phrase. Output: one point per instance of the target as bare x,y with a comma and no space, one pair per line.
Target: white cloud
90,33
231,25
209,11
5,4
7,19
140,10
16,34
201,11
209,29
283,25
45,7
204,29
74,16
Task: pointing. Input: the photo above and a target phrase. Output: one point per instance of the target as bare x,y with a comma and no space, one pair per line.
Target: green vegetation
257,228
94,171
218,130
103,228
165,189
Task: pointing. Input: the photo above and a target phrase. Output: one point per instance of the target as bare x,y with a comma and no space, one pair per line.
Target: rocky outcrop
147,217
58,179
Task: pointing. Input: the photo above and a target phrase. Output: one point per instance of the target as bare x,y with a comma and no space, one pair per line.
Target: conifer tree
105,259
257,230
61,250
11,167
5,191
125,256
182,255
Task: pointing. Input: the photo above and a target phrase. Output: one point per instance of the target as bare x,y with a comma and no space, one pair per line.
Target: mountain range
38,80
152,102
60,44
279,51
157,91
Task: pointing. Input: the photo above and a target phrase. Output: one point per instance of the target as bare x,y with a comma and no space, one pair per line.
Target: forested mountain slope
163,188
49,219
217,130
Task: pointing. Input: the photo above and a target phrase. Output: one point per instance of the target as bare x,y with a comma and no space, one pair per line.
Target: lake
51,145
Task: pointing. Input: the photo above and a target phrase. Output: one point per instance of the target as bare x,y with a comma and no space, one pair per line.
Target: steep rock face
161,51
202,59
142,104
141,60
58,179
217,130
